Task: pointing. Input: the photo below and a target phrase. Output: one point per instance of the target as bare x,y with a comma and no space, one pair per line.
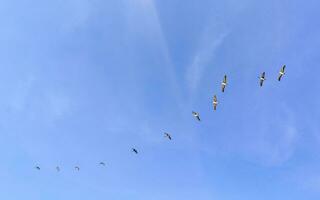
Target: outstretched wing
223,87
280,76
261,82
283,68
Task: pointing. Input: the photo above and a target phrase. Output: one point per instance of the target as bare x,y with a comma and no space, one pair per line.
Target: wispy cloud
209,44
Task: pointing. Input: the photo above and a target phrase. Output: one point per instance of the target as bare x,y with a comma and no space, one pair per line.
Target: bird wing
261,82
198,117
283,68
225,79
215,98
263,75
223,87
280,76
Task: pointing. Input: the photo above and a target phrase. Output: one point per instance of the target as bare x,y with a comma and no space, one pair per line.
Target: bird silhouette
262,78
167,135
224,83
215,102
282,72
196,115
135,150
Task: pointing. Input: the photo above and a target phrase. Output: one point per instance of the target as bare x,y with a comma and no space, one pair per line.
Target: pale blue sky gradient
84,81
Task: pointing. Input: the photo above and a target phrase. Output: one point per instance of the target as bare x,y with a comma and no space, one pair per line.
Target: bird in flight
215,102
102,163
167,135
58,169
262,78
196,115
282,72
77,168
135,150
37,167
224,83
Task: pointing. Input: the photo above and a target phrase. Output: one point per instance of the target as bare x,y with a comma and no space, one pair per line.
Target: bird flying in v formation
282,72
135,150
167,135
196,115
215,102
224,83
262,78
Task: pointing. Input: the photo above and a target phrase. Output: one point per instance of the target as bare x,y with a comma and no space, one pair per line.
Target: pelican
196,115
215,102
135,150
224,83
77,168
262,78
167,135
37,167
58,169
282,72
102,163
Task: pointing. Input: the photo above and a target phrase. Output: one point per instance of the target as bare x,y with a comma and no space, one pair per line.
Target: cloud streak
209,44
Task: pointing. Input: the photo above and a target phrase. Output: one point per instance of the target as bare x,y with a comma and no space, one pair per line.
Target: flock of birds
262,78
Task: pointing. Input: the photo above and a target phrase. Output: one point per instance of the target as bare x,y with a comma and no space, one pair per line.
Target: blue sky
84,81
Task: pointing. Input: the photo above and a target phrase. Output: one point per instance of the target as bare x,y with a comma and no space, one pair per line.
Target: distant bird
282,72
224,83
58,169
135,150
102,163
77,168
262,78
37,167
167,135
196,115
215,102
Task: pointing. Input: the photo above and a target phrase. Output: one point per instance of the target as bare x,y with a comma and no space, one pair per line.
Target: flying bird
196,115
262,78
37,167
215,102
58,169
224,83
77,168
282,72
167,135
135,150
102,163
